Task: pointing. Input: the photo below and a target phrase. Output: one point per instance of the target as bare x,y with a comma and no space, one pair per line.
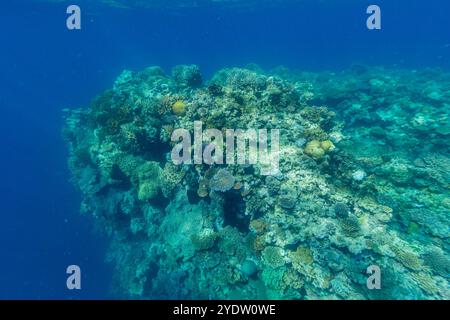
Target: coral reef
363,179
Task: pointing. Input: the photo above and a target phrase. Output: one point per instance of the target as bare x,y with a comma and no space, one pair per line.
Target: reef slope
364,180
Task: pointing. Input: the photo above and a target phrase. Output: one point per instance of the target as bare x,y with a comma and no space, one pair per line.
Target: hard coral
350,226
149,180
317,149
222,181
179,107
314,149
302,256
187,76
438,262
249,268
204,240
273,257
407,258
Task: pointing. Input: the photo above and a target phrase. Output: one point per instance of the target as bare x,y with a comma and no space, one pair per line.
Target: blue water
45,68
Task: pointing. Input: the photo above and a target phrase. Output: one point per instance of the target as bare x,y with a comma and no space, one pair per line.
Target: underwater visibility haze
121,149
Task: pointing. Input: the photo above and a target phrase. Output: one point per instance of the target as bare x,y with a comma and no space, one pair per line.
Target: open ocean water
126,243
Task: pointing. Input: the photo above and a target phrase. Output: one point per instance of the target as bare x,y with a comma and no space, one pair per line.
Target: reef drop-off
364,180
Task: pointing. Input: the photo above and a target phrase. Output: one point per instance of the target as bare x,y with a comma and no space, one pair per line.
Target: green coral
302,256
438,262
350,226
425,282
204,240
129,164
407,258
232,244
171,178
149,180
273,277
147,190
273,257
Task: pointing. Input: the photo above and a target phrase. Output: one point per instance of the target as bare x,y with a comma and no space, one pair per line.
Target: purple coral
222,181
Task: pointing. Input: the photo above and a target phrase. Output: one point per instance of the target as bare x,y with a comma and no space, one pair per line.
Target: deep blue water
45,68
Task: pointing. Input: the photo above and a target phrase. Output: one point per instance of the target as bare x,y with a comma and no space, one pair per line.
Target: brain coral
179,107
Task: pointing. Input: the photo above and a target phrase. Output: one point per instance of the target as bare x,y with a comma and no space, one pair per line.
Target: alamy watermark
374,280
243,147
73,281
374,20
73,21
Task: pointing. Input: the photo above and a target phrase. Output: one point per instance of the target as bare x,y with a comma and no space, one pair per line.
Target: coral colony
362,182
236,140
